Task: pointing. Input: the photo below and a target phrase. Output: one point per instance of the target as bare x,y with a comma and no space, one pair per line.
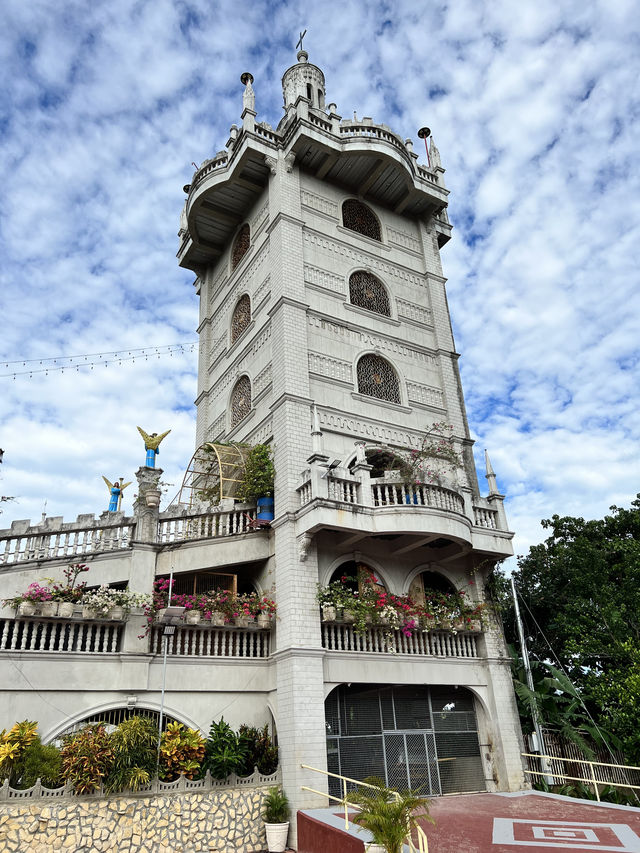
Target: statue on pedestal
151,445
116,491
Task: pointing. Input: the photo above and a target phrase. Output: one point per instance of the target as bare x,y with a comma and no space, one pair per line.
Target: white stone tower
324,330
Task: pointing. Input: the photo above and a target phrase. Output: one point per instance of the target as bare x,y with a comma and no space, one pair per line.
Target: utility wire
75,362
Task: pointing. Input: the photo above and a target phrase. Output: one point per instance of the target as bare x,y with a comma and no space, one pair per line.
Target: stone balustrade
341,637
343,487
37,634
207,641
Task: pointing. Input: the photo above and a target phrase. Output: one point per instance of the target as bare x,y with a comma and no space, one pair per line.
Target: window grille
240,400
366,291
241,245
241,317
113,717
376,378
358,217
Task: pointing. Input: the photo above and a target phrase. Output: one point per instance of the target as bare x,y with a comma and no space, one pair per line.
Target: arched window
358,217
358,576
241,317
240,400
427,583
366,291
241,245
376,378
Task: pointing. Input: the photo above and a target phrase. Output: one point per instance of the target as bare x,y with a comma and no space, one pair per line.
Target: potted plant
389,815
38,598
276,819
69,594
266,611
257,480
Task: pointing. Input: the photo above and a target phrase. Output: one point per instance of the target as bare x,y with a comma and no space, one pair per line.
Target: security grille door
418,737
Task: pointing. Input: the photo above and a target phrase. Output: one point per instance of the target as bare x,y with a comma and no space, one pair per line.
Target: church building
324,333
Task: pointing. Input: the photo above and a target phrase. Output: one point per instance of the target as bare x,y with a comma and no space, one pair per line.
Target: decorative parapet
381,640
342,487
55,539
179,786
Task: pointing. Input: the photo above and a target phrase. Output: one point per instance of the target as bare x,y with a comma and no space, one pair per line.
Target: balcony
88,536
337,637
339,499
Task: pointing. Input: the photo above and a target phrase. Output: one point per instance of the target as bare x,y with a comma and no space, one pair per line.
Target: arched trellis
214,473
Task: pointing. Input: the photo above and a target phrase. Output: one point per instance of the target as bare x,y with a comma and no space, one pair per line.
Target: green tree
582,587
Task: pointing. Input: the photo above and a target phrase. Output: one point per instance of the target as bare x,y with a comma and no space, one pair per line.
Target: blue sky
535,109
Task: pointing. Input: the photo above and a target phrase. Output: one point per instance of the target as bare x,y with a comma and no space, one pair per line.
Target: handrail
595,782
423,844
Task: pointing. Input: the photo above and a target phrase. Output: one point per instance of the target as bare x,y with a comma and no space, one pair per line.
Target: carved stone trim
411,311
333,368
425,394
325,279
319,203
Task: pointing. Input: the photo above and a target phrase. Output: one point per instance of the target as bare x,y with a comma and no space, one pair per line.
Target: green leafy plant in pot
276,819
389,815
257,480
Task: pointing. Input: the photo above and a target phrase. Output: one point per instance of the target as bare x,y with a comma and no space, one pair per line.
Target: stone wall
227,820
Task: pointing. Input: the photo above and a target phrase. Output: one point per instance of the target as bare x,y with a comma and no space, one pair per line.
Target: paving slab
524,822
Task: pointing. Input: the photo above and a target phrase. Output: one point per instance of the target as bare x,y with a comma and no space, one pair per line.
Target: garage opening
419,737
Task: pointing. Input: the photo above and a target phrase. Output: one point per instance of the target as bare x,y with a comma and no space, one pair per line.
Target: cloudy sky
535,109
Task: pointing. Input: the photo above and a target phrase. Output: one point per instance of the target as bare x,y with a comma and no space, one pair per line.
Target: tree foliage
582,587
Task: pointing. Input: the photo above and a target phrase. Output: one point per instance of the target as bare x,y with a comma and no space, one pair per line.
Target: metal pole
164,675
527,668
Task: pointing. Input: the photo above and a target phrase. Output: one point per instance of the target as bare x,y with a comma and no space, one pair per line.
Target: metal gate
417,737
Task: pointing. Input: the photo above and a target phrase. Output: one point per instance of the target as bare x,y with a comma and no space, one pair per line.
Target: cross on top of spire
299,45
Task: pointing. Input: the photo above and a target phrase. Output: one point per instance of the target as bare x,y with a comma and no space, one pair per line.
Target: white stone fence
343,487
55,539
338,637
156,786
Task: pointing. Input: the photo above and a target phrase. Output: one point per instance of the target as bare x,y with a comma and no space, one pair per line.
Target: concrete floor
526,822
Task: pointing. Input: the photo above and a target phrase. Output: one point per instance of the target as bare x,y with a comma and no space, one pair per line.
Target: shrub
181,751
40,761
261,752
259,473
134,745
13,744
87,757
225,751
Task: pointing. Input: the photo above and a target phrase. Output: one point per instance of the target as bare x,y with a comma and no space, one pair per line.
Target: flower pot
265,509
65,609
375,848
264,620
474,626
428,623
116,614
411,498
349,617
458,624
277,836
27,608
88,613
193,617
217,618
49,608
241,620
328,613
445,625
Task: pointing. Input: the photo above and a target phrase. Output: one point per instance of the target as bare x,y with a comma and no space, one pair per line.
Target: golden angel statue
151,445
116,490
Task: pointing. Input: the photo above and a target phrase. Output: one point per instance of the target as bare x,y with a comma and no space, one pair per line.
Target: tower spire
490,475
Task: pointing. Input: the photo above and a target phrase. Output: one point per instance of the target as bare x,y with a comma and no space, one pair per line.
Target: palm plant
389,815
134,755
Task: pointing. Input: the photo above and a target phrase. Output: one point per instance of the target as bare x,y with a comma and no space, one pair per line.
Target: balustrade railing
340,637
485,517
437,497
204,641
206,525
49,545
343,489
36,634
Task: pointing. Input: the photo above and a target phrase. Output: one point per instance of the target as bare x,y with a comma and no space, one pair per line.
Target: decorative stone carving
304,544
272,163
289,161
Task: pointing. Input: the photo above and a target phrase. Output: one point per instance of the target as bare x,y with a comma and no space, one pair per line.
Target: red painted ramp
525,822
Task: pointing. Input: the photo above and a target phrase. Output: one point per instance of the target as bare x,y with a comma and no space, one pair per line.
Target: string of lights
61,363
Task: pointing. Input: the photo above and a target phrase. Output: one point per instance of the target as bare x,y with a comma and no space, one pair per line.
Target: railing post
593,778
362,473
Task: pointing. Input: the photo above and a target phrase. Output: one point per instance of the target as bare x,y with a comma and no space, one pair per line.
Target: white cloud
534,110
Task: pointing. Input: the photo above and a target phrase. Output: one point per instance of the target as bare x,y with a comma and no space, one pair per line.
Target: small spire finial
490,475
248,96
